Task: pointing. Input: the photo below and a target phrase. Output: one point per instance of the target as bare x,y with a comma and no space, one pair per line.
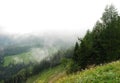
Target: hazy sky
51,16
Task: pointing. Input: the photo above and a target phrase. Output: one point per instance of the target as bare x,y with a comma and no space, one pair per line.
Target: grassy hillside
49,75
109,73
34,55
18,58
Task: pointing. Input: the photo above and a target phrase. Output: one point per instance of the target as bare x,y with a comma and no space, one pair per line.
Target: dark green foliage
75,57
102,44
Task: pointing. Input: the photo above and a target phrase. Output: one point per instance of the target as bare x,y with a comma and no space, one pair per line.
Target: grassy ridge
109,73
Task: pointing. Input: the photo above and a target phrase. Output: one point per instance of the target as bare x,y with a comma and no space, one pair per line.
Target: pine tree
75,55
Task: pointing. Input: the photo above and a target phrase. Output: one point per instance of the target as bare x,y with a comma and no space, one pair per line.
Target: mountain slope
108,73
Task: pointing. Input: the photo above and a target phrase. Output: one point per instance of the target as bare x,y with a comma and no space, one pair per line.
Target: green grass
34,55
15,59
109,73
47,75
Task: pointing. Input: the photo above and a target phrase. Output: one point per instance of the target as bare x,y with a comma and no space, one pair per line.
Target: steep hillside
108,73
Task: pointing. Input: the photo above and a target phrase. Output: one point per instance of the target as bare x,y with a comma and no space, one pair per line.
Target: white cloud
58,16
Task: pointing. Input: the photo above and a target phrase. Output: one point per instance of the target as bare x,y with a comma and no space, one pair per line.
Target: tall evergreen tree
75,57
